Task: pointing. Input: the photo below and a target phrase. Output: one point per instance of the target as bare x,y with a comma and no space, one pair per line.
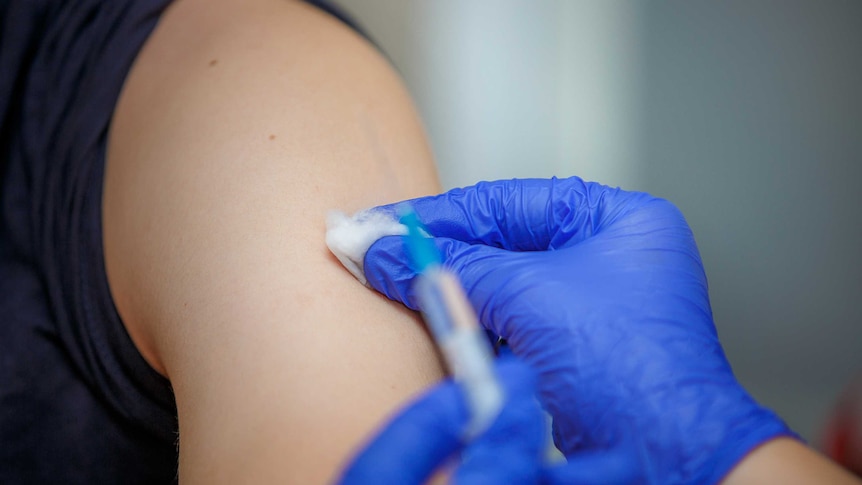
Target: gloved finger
414,444
388,267
494,279
510,451
525,214
607,467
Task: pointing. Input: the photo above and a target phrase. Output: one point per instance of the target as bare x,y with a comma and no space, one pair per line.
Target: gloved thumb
606,467
620,464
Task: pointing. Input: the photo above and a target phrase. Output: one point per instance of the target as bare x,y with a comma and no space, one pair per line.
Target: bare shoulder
241,124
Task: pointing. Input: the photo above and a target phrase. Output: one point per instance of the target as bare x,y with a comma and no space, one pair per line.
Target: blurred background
746,114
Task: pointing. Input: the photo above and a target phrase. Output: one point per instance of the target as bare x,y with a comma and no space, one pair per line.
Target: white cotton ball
350,237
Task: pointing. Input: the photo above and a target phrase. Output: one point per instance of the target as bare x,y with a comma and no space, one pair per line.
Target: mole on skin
213,62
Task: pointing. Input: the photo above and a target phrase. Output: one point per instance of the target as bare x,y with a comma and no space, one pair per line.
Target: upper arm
240,125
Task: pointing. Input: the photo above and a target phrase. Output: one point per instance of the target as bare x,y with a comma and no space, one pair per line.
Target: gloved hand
423,437
603,292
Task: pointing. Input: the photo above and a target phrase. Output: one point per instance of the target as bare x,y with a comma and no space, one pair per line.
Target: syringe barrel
463,343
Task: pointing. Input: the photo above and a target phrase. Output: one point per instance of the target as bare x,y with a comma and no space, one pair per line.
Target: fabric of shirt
78,403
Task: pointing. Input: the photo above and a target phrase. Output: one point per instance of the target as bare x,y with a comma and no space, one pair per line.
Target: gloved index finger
415,443
522,214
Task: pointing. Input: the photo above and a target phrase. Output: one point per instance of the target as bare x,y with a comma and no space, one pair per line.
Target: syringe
454,326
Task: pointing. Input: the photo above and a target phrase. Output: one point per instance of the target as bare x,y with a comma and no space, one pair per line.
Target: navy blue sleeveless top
78,404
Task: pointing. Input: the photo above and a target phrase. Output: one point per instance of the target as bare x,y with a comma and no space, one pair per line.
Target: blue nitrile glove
603,292
427,435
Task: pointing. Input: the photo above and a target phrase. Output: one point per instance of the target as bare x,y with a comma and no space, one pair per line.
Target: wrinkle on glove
603,292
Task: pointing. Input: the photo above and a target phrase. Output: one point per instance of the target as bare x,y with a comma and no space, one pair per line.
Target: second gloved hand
603,292
428,434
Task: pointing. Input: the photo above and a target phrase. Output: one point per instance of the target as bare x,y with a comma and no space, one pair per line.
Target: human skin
787,461
241,123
